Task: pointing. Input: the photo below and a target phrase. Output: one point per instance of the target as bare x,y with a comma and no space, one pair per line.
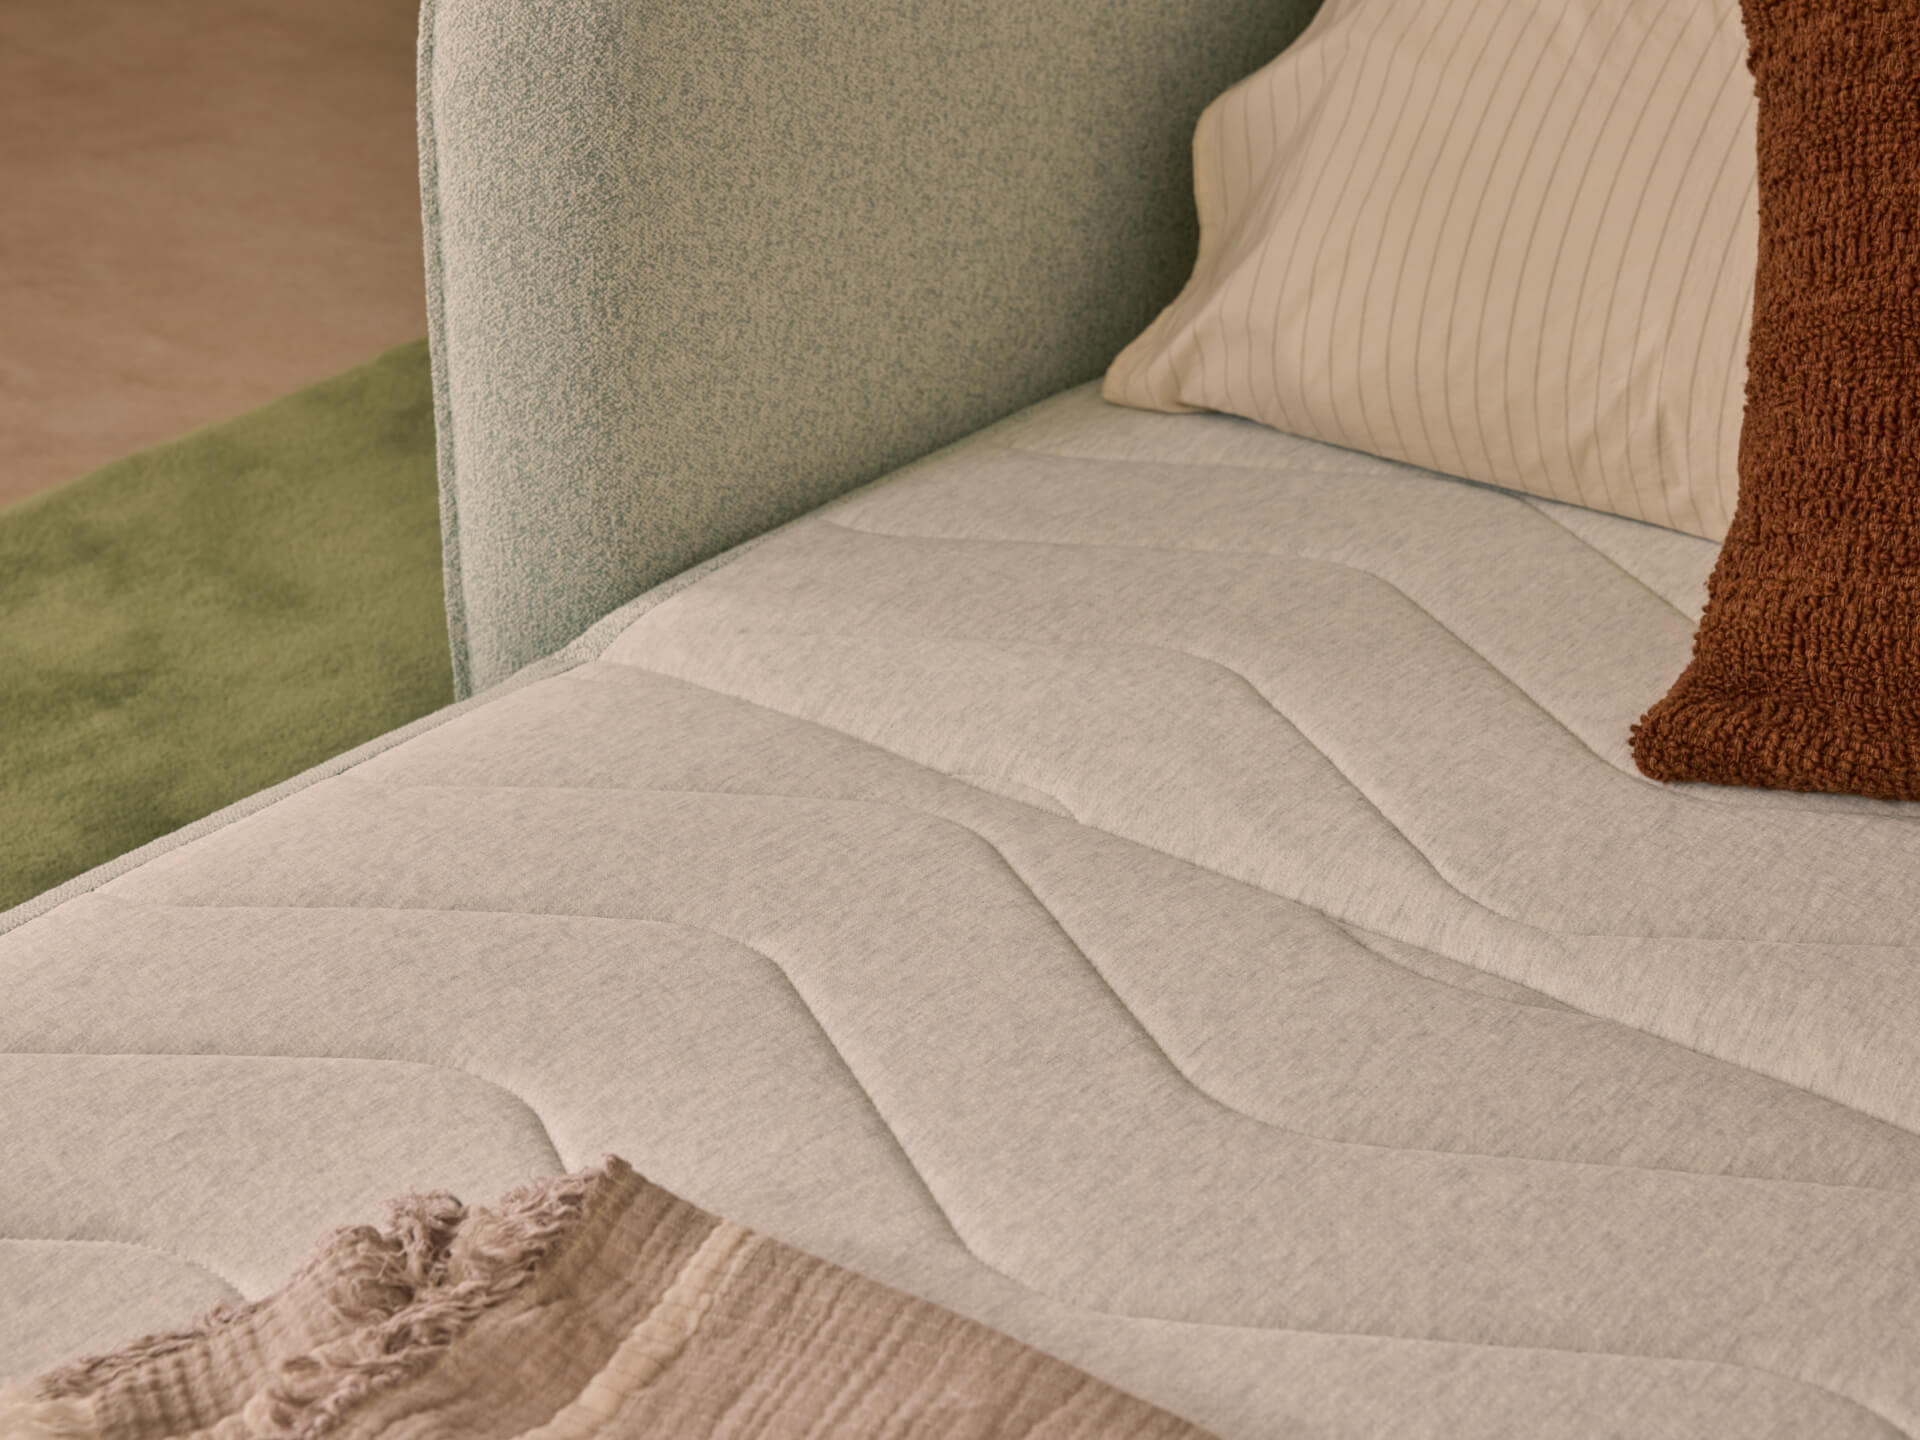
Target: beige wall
203,204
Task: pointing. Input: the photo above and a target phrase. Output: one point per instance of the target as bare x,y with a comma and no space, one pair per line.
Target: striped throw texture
591,1306
1512,240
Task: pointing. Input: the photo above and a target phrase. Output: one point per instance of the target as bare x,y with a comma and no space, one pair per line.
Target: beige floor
203,204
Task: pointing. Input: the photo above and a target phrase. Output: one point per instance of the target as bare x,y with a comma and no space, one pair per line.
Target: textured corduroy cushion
1806,668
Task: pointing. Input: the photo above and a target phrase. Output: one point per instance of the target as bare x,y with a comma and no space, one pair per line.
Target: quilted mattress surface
1172,891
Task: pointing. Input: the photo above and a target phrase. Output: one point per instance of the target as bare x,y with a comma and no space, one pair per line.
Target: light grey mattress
1172,891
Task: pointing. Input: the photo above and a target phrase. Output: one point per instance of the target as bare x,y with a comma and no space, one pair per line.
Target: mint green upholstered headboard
697,266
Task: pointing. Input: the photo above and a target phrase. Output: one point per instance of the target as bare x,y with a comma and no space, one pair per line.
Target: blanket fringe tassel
25,1417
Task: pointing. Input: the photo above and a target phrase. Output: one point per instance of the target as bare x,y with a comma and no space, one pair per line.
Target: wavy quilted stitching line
1128,839
1537,504
1303,557
1689,796
997,785
546,1132
773,964
1432,863
1364,938
1539,507
1174,1065
953,1228
1339,921
960,1238
1389,470
1436,865
1366,799
539,1120
236,1292
1146,1032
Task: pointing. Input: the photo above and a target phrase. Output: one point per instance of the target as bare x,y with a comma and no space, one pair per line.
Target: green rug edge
209,617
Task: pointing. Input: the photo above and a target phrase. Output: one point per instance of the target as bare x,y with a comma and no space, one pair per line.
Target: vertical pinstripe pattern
1512,240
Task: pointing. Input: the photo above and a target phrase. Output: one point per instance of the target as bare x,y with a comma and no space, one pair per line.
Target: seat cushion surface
1172,891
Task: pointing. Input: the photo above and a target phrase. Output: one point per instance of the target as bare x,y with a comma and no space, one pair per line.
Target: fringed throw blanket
590,1305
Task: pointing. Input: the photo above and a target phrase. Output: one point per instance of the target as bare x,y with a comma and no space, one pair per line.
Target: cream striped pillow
1510,239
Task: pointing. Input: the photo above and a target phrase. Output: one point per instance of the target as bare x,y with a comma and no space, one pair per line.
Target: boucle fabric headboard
697,266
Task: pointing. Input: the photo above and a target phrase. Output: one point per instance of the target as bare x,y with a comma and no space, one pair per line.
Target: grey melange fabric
1171,891
695,266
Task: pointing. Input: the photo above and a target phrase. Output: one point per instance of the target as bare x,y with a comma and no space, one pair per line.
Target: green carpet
204,619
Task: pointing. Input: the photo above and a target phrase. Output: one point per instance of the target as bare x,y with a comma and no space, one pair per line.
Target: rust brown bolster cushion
1806,667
